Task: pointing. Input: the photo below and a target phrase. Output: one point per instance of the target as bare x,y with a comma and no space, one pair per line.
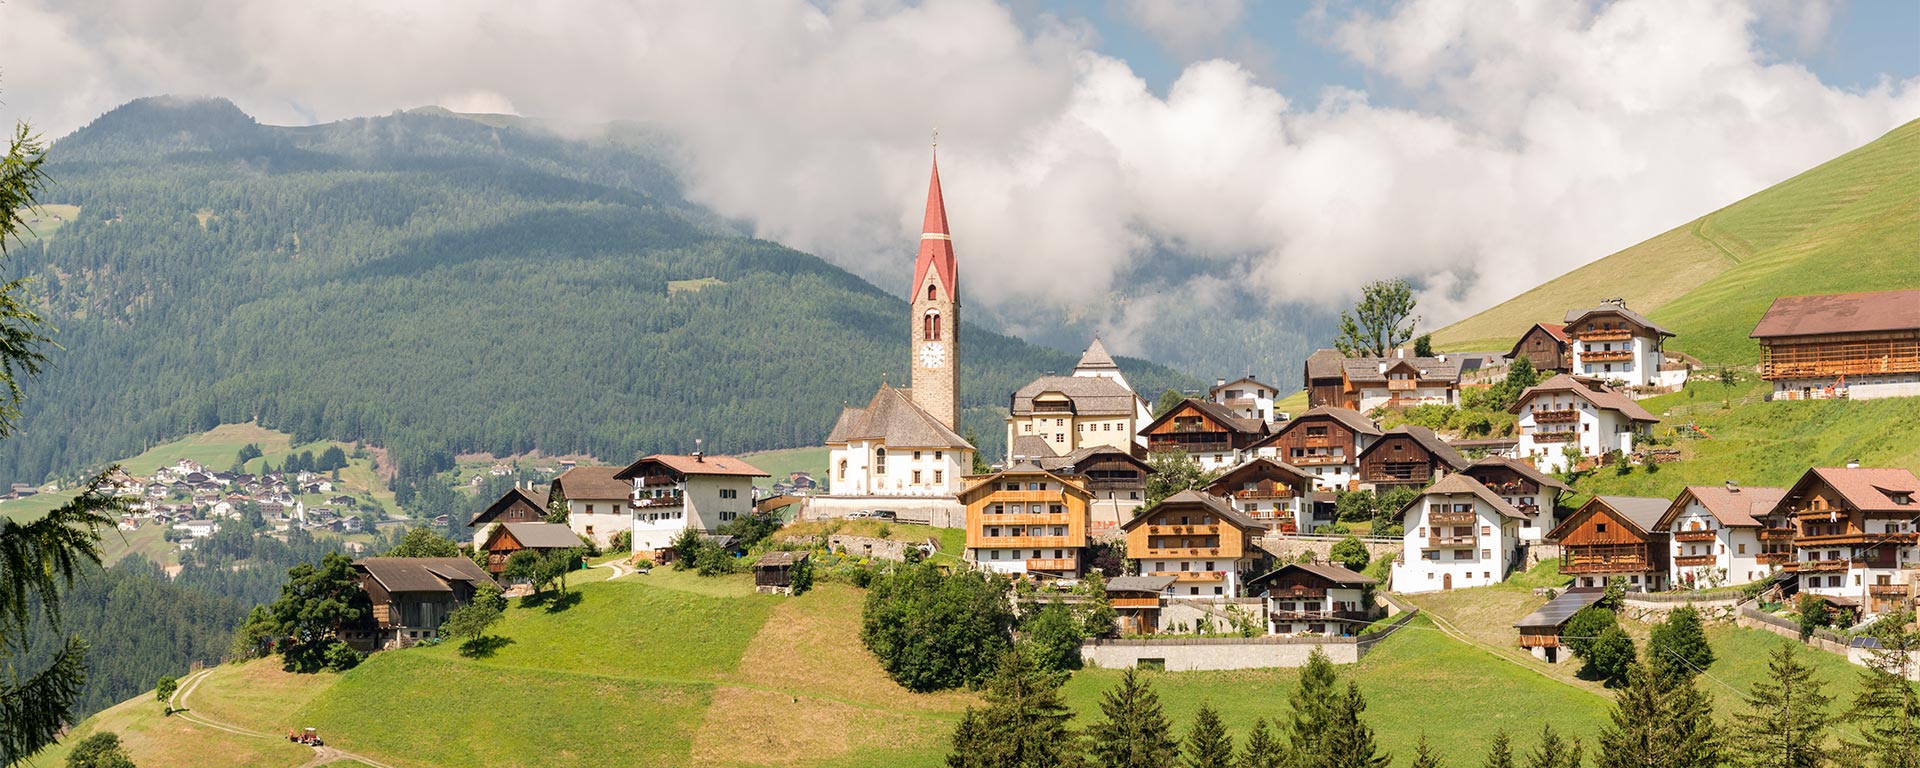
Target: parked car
884,514
859,515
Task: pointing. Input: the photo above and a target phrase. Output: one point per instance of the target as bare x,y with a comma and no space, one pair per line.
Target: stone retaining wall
1286,549
1188,654
1653,609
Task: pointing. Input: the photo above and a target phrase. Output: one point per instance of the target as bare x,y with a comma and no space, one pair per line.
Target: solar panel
1558,610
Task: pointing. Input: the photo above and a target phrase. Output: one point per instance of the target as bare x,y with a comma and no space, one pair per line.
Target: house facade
1860,346
672,493
1529,490
599,503
1458,534
507,539
1546,347
1057,415
1136,602
517,505
1323,378
410,598
1115,479
1397,382
1326,441
1407,455
1582,416
1613,536
1315,599
1200,541
1857,539
1715,531
1027,521
1247,398
1276,494
1612,343
1209,433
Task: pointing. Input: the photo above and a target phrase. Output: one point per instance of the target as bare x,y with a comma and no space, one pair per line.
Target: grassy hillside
672,669
1848,225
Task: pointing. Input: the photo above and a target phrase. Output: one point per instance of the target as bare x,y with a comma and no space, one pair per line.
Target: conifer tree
1500,755
1264,750
1659,721
1787,722
1348,742
1135,732
1208,745
1678,645
1423,756
1311,706
1023,725
1609,657
1888,707
1553,751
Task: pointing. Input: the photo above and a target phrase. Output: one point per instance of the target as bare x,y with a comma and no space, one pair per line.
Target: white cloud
1546,134
1185,27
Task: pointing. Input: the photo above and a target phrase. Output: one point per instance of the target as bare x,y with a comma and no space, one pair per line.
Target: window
930,325
1486,530
589,509
916,455
843,469
993,554
939,455
1216,590
930,292
939,476
1463,554
1600,528
1486,553
1060,437
879,461
916,477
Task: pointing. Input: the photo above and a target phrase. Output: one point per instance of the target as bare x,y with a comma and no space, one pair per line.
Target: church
903,453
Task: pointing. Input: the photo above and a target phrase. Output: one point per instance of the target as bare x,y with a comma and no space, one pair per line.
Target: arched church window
930,326
930,292
879,461
843,469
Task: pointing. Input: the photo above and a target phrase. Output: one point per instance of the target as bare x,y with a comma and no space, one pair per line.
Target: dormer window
1901,499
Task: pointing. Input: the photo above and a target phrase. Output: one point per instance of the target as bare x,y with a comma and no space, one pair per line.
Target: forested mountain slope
439,285
1850,224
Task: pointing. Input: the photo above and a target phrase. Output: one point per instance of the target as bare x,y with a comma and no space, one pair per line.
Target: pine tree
1787,724
1263,750
1888,707
1311,706
1349,741
1553,751
1679,644
1501,753
1208,745
1659,721
1023,724
1423,756
1135,732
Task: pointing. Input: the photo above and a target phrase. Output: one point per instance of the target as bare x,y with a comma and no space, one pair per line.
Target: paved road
321,755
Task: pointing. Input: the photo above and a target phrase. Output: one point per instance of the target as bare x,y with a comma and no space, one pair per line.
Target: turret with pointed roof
936,314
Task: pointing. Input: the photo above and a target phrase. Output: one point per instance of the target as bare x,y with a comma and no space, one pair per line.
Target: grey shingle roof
1139,583
893,418
1032,447
1525,469
1575,315
1096,358
1465,484
540,535
1367,369
1324,364
1642,511
1443,453
421,574
593,483
1090,395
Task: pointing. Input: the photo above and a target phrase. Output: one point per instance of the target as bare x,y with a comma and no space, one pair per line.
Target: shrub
801,579
342,657
714,561
1679,644
1813,614
621,542
1350,553
1586,625
101,750
1053,638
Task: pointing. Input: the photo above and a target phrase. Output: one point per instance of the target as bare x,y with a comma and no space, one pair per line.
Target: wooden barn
1411,455
411,597
773,572
1545,347
1136,602
509,538
1208,432
1615,536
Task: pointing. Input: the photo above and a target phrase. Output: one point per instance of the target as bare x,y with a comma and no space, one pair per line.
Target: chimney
1383,367
1853,463
698,453
1400,353
1733,487
1219,382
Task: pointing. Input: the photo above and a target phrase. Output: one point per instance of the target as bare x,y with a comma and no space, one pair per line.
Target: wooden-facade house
517,505
1315,599
410,597
1208,432
1859,534
1615,536
1408,455
1276,493
1027,521
1116,481
1851,345
1201,541
1136,602
1323,378
1528,489
1545,347
510,538
1326,441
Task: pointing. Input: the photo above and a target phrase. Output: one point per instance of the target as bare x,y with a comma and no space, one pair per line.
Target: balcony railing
1033,542
1452,518
1316,459
1452,541
1052,564
1694,560
1612,334
1606,355
1777,534
1887,590
1774,558
650,502
1239,402
1515,488
1575,562
1297,592
1819,566
1184,530
1708,535
1159,552
1136,602
1555,415
1025,518
1555,437
1293,616
1193,575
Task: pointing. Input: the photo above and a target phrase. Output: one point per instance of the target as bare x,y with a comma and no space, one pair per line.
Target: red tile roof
1841,313
1873,489
936,243
696,465
1741,508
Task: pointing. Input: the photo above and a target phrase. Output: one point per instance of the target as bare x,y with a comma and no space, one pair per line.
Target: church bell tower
936,315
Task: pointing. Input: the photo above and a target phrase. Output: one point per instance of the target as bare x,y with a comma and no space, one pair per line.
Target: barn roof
538,499
593,483
538,536
1841,313
421,574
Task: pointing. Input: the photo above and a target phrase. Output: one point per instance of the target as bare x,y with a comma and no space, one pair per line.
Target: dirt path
321,755
619,569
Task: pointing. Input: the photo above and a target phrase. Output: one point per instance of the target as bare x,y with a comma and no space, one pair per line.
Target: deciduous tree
469,623
315,603
100,750
421,541
1381,322
1350,552
932,631
1173,472
163,693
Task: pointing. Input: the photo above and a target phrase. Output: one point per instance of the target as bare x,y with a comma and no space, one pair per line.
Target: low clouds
1544,135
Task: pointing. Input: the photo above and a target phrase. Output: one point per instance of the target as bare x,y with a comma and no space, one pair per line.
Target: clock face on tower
933,354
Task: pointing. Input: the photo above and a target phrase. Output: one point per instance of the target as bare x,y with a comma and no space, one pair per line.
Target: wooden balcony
1239,402
1708,535
1184,530
1053,564
1555,437
1622,558
1318,442
1818,566
1170,552
1026,542
1888,591
655,502
1285,493
1297,592
1026,497
1831,361
1155,443
1516,488
1616,334
1694,559
1773,558
1452,518
1316,460
1025,518
1555,415
1452,542
1858,539
1193,575
1400,472
1777,534
1402,385
1136,602
1318,616
1607,356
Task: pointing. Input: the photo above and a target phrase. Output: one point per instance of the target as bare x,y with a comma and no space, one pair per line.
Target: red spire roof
936,243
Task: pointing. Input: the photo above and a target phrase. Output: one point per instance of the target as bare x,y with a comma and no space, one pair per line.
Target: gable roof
696,466
1032,447
1741,508
1324,364
1023,469
1071,462
1599,395
1213,504
1368,370
1642,512
536,536
421,574
1347,417
591,483
893,418
1337,574
1464,484
1096,358
1090,395
1576,315
1214,411
1840,313
1525,469
1139,583
1558,332
1866,488
537,499
1247,379
1258,462
780,558
1442,452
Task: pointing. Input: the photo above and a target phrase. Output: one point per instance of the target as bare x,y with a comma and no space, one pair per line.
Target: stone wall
1653,609
1218,612
924,510
1286,549
1187,654
868,546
